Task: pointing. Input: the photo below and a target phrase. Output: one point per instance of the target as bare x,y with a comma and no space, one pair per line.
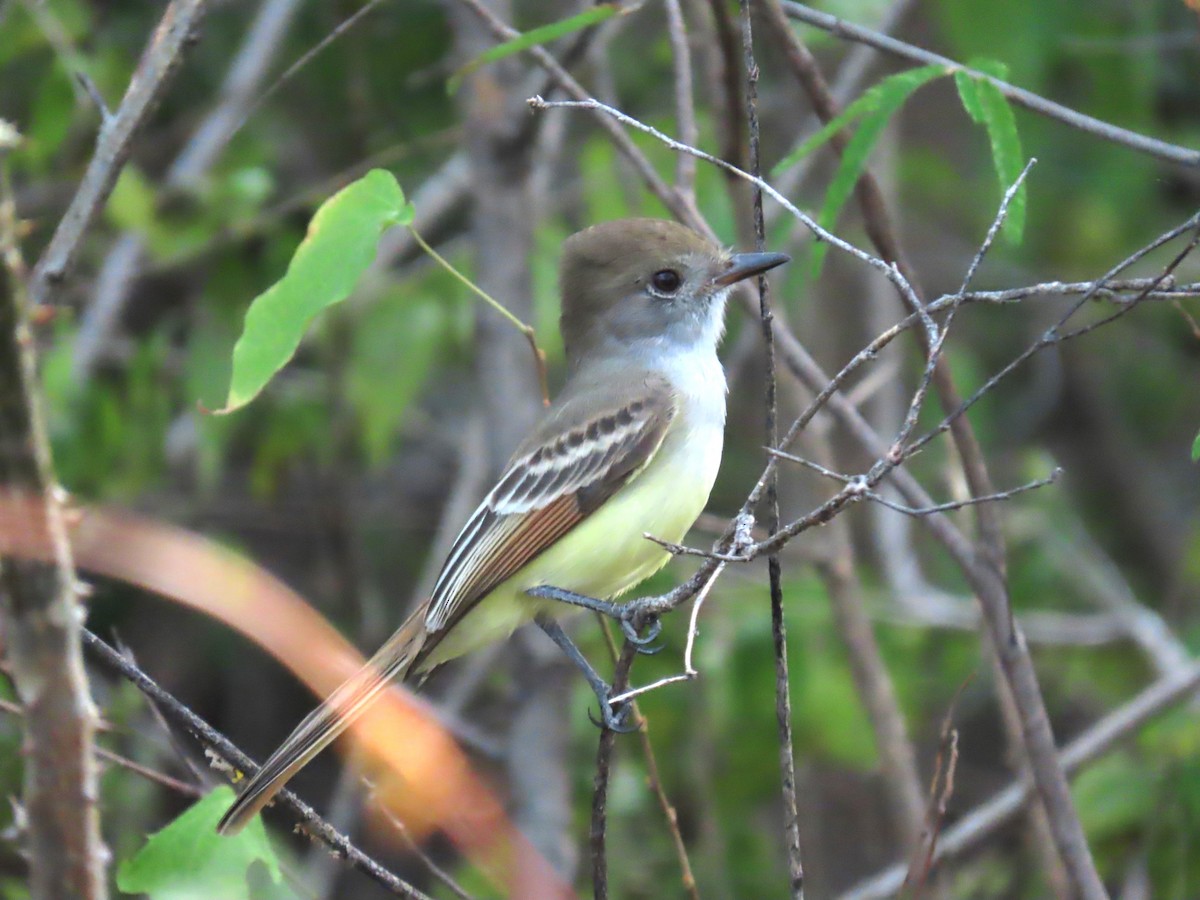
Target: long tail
323,725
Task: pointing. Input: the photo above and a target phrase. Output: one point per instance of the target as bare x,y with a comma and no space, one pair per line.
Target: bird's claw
613,720
642,642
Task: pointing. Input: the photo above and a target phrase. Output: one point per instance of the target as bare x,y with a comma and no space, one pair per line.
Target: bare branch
182,717
1056,335
997,224
978,825
970,501
1027,99
783,699
305,58
160,60
685,109
689,668
642,726
417,850
604,751
117,274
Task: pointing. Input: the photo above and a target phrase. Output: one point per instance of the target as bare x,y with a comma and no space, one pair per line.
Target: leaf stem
539,355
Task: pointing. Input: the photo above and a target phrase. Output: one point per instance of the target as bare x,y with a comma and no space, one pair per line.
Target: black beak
746,265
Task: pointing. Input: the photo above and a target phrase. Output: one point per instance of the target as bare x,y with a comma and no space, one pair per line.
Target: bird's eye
665,281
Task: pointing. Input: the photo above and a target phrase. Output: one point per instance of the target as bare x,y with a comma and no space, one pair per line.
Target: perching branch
598,837
654,781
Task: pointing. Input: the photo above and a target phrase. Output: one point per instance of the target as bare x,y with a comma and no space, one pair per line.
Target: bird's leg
609,718
628,615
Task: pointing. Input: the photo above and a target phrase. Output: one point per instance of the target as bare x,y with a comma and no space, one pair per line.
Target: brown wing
544,493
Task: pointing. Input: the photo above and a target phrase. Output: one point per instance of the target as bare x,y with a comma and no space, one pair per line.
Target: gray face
640,280
671,300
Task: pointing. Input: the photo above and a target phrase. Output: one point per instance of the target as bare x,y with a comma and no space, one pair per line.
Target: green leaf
1196,448
188,860
889,95
988,107
533,38
337,250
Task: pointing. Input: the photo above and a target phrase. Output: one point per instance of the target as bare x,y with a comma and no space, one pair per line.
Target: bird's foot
612,716
629,616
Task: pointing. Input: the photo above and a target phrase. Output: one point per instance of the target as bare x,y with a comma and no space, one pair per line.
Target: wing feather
545,492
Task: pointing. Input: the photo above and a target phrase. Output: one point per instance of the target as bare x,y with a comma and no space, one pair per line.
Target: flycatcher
630,447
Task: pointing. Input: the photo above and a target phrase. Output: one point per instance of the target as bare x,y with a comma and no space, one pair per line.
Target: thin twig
938,342
1033,102
1055,334
887,270
1110,290
681,550
783,701
290,72
689,668
416,850
943,775
70,58
968,501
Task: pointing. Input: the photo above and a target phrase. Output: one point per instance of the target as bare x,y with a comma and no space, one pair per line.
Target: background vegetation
347,476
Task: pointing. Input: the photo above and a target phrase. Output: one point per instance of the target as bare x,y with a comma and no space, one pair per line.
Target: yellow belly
606,554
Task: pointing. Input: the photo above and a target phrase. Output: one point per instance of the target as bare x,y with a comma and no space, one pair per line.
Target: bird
630,446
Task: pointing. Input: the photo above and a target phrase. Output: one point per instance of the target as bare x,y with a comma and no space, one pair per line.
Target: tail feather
325,723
